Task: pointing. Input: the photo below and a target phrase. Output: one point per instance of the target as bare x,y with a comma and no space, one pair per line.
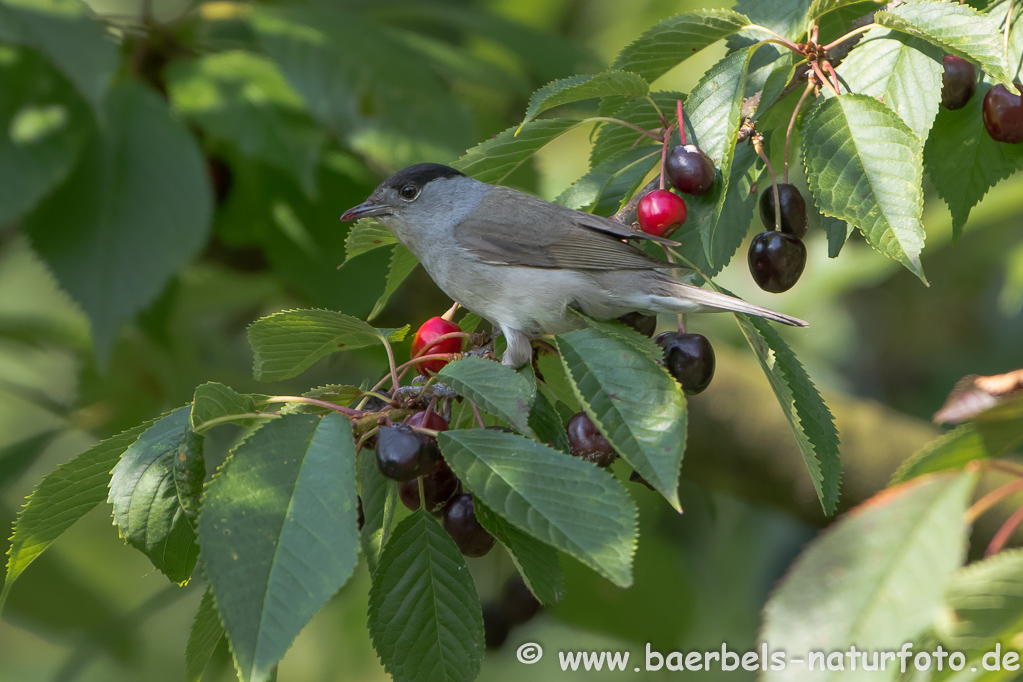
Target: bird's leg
519,350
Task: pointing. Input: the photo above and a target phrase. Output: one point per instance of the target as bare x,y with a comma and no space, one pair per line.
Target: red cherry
1003,114
425,343
660,212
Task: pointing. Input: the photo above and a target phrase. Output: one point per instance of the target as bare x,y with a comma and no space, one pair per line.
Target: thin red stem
992,498
681,123
834,76
479,417
759,146
442,337
1004,533
792,125
313,401
822,77
664,151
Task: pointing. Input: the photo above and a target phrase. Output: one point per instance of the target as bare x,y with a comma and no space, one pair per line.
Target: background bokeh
884,349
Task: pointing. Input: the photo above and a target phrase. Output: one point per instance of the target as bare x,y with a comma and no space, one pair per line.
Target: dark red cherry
585,440
1003,114
404,454
461,524
660,212
438,488
690,170
776,260
793,209
958,82
433,421
690,359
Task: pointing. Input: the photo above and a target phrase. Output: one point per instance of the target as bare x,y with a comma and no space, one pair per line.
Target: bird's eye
409,192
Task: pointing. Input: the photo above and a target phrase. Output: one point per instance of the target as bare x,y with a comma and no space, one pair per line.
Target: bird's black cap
420,174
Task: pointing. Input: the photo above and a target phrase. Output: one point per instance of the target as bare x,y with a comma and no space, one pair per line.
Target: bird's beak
366,209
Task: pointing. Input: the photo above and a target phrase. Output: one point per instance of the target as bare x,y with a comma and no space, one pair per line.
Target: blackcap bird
521,262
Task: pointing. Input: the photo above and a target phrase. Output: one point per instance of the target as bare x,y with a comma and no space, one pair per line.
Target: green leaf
366,235
243,98
547,423
498,389
144,495
808,416
494,160
564,501
286,344
365,101
955,28
43,123
712,110
785,17
66,32
112,235
963,161
215,401
876,577
424,614
819,8
189,475
377,493
902,71
838,231
602,189
403,262
61,498
634,402
203,638
336,393
964,444
278,533
675,40
536,562
578,88
865,167
986,604
614,140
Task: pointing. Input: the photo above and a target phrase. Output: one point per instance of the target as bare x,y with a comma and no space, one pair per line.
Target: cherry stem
814,32
431,406
781,40
432,433
855,32
395,380
313,401
758,144
992,498
424,358
228,418
365,437
822,77
638,129
681,122
442,337
792,125
422,494
450,313
476,411
664,151
1004,533
834,76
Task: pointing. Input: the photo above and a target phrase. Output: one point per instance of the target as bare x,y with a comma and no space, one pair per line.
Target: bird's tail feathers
688,298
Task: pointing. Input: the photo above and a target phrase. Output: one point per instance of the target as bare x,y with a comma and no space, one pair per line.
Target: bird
524,264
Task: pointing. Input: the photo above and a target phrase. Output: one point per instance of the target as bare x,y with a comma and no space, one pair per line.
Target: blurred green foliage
206,187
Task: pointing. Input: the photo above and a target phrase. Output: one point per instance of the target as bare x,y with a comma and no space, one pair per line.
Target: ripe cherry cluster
1003,108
